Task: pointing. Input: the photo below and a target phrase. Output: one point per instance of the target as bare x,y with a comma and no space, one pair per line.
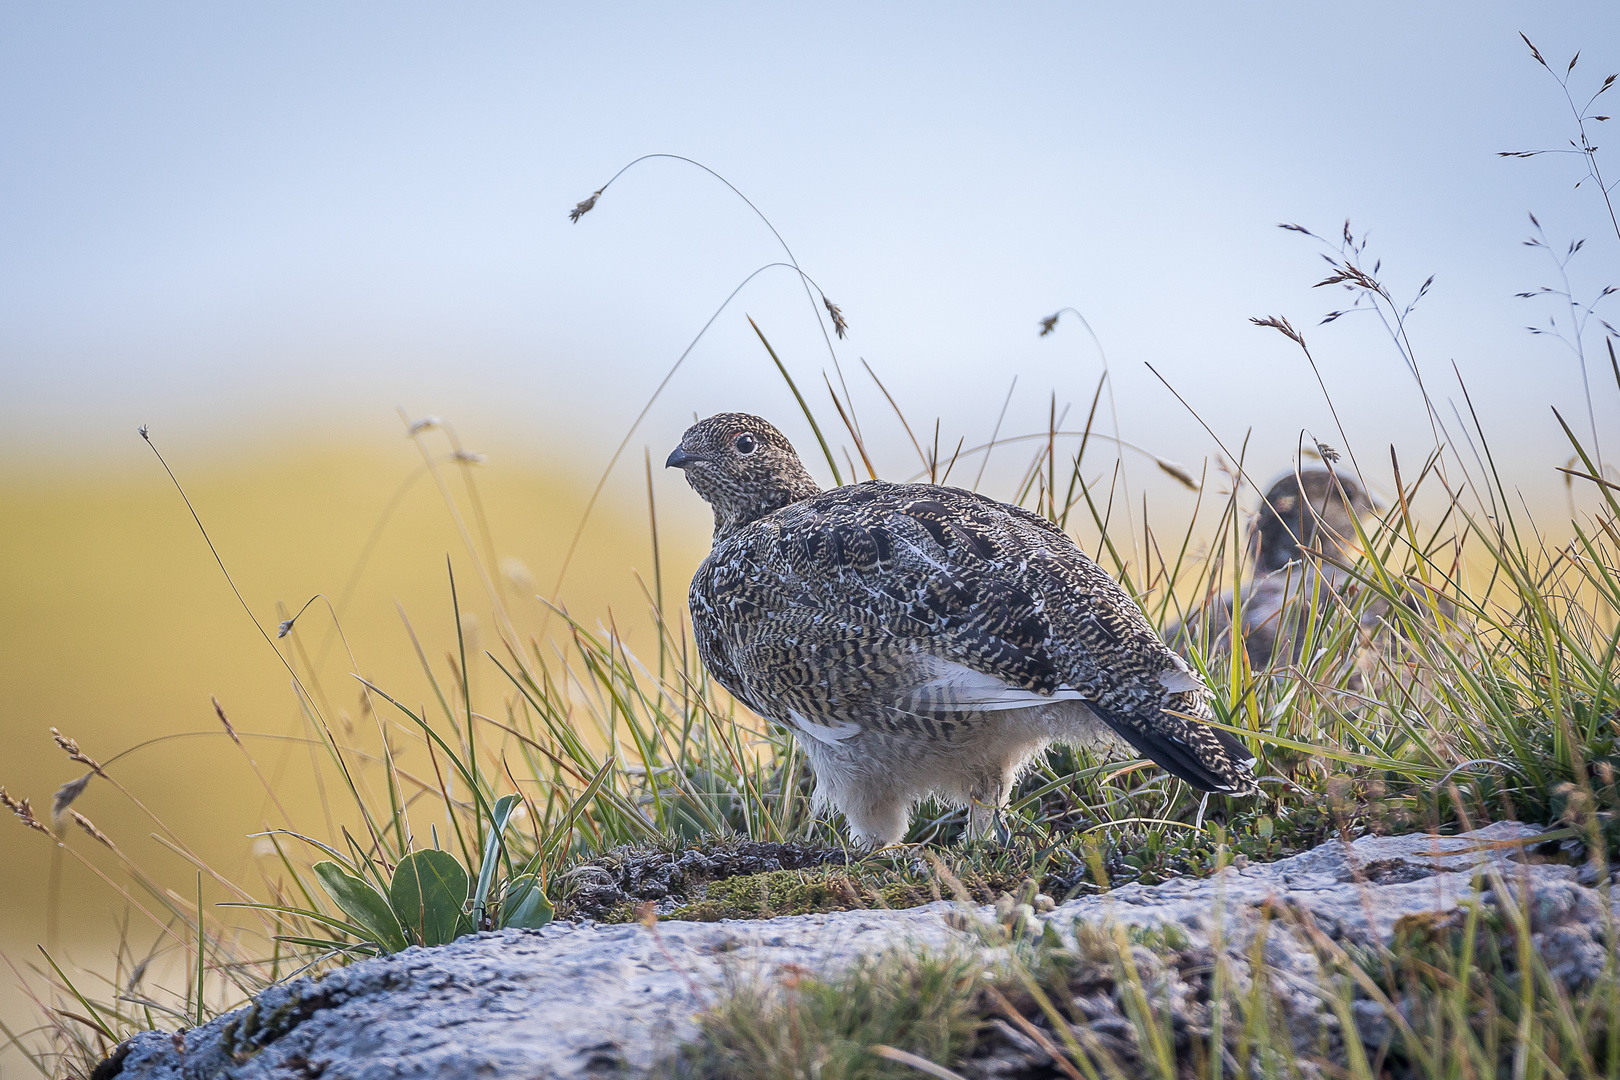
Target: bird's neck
745,508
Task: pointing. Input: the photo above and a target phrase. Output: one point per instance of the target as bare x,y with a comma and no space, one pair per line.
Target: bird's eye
745,443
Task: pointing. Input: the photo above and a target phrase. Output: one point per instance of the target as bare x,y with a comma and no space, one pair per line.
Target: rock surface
580,1000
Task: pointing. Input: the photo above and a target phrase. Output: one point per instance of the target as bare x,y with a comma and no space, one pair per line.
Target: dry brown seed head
1281,325
1535,52
584,206
73,751
219,711
840,326
24,812
90,827
1179,472
1049,324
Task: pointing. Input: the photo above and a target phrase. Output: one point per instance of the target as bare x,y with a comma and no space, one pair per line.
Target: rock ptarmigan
1312,510
1302,515
924,640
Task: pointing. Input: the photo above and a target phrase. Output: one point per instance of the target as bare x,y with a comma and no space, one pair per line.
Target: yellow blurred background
119,627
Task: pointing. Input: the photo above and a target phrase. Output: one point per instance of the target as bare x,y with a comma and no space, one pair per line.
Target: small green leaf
363,904
427,893
502,813
525,906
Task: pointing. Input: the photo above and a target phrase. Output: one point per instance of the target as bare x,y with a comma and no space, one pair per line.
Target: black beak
680,459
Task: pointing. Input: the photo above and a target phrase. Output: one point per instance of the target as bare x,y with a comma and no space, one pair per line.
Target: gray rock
581,1000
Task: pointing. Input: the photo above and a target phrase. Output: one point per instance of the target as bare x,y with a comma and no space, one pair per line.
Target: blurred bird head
1313,509
742,466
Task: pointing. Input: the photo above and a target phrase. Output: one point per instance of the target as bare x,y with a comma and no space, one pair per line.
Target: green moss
246,1035
1166,937
921,1004
903,894
777,892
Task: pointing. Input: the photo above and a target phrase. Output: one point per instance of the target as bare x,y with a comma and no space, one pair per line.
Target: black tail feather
1207,758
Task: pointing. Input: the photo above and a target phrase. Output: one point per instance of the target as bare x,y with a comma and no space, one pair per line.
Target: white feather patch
1179,682
831,734
1181,679
959,688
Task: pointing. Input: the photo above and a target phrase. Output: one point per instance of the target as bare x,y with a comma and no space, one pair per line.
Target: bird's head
742,466
1314,508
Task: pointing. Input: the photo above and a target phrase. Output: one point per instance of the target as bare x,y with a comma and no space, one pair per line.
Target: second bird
924,640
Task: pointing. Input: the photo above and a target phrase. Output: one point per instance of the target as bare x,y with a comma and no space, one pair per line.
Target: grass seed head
24,812
840,326
90,827
219,710
1281,325
1179,472
73,751
584,206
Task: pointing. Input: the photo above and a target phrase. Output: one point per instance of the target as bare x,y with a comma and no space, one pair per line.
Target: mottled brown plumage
1312,511
922,639
1303,540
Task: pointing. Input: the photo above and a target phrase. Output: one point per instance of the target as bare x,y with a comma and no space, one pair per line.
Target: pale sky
243,222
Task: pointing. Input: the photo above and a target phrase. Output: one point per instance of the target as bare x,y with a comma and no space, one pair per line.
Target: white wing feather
952,687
